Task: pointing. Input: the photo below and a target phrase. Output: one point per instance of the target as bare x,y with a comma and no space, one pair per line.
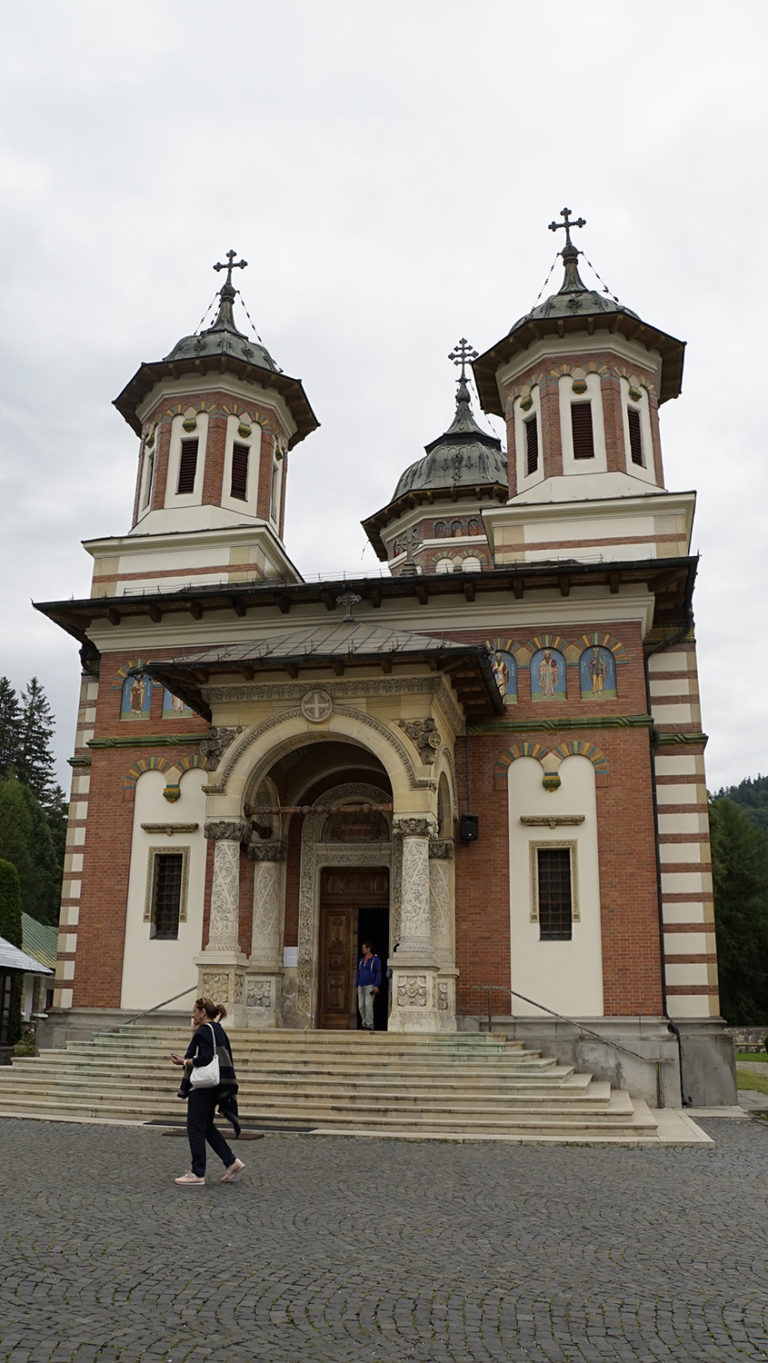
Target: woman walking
209,1039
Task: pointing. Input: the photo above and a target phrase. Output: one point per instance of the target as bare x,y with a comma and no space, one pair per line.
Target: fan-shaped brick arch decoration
599,639
525,749
189,763
129,669
580,747
145,764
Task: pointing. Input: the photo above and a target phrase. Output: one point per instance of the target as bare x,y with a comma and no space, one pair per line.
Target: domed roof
223,338
575,308
463,456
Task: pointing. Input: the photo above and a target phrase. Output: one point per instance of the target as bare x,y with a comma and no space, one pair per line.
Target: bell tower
579,381
216,419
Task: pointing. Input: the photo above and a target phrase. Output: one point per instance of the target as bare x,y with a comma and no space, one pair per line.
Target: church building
487,760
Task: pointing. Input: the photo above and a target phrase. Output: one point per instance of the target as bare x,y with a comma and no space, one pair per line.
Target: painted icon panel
597,673
548,675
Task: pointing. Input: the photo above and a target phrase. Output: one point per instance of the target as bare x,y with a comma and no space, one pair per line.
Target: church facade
488,761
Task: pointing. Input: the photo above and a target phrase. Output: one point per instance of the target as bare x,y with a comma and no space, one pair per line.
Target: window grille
635,437
532,445
187,466
554,893
239,487
581,427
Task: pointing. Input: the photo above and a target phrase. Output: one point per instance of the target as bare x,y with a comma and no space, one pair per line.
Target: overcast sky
389,172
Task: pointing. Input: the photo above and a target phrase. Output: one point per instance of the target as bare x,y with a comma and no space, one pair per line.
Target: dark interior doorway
354,907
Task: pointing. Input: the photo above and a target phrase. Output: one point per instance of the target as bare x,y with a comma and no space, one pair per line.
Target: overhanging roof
11,958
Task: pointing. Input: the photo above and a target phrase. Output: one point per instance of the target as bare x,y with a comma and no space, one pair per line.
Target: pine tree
10,723
35,760
740,876
25,841
10,929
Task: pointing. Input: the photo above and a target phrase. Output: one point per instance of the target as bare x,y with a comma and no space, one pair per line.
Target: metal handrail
126,1022
561,1017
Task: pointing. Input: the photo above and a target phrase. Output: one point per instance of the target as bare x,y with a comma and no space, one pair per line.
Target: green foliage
33,810
752,795
740,875
10,904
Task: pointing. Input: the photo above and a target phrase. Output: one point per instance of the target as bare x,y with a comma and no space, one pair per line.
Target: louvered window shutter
581,426
532,445
635,438
239,486
187,466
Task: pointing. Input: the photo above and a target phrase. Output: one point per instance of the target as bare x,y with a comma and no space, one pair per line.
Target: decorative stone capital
215,744
274,850
424,733
227,830
441,849
415,828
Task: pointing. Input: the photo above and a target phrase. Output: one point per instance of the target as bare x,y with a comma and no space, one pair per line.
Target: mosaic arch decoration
504,668
143,765
597,673
525,749
580,747
135,688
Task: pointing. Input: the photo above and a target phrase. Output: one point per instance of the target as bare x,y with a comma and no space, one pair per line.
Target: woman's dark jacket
200,1051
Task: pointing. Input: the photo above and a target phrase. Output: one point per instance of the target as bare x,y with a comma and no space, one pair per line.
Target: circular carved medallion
316,706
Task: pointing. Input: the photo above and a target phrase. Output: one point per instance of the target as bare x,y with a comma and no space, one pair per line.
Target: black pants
201,1105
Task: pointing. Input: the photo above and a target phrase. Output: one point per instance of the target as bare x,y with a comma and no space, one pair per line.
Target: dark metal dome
464,456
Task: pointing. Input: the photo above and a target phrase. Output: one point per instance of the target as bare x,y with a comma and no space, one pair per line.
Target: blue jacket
369,972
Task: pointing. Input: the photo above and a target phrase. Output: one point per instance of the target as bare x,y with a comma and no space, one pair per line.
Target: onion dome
221,348
575,308
464,456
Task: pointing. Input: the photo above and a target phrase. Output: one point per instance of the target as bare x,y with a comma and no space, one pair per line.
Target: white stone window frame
253,442
276,483
153,853
178,434
525,479
147,475
568,399
646,470
551,845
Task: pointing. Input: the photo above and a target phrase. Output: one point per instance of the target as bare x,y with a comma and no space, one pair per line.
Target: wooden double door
354,908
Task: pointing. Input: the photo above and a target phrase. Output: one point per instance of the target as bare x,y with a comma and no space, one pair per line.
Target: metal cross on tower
461,353
577,222
232,265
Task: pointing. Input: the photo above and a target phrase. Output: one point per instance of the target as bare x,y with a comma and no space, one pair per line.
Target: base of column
418,1003
263,997
222,979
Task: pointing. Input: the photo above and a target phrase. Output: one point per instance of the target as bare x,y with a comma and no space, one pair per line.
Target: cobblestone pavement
331,1250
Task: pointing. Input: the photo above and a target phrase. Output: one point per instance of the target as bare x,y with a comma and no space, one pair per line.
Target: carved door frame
315,856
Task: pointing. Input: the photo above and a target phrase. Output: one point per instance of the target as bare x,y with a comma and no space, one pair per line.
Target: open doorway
354,908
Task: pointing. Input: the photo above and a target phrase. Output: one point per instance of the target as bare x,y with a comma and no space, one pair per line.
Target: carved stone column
264,975
442,914
220,967
414,964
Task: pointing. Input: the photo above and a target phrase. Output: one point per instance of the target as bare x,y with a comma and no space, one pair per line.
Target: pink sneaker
190,1181
232,1171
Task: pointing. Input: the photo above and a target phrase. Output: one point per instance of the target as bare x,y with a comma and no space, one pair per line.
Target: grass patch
760,1056
746,1080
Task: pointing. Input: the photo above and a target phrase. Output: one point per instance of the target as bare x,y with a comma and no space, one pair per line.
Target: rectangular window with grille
187,466
166,904
581,427
531,445
554,894
239,487
635,437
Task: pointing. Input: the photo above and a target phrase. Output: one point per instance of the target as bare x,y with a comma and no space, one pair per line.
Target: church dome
464,456
223,338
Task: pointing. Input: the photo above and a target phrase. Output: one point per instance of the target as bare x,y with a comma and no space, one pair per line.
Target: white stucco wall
156,970
565,976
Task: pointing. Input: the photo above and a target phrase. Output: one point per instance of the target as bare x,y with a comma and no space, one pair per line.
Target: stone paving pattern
333,1250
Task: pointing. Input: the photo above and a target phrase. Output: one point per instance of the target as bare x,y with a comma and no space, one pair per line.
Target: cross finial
230,266
461,354
577,222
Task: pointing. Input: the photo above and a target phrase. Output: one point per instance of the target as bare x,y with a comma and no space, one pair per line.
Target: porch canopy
12,958
339,647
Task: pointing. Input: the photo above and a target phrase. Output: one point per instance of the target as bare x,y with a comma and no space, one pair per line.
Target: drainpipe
671,1026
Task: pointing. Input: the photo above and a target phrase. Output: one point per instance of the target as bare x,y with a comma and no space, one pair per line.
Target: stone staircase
460,1086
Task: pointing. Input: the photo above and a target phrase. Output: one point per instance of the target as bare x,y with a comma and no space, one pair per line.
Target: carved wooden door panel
348,895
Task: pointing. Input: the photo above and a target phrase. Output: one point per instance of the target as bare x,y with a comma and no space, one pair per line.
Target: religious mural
136,699
548,675
597,673
504,668
174,707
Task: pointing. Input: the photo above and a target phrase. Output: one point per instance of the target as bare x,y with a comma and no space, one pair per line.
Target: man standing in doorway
368,983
